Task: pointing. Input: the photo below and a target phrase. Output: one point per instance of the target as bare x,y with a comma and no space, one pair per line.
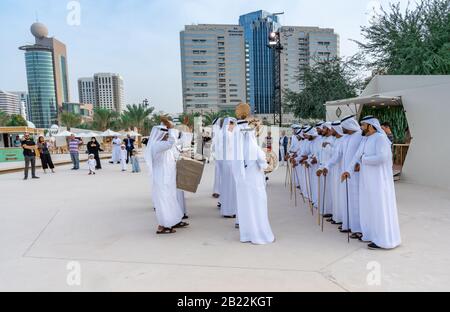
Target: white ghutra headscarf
156,135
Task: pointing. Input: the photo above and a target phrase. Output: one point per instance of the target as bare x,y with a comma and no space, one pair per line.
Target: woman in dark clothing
94,148
45,156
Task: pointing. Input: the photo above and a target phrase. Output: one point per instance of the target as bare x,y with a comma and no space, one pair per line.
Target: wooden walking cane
295,188
348,215
318,204
299,184
323,201
290,179
308,188
287,175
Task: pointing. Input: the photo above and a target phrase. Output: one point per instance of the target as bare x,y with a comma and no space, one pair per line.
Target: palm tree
104,119
188,119
70,120
135,116
209,117
4,118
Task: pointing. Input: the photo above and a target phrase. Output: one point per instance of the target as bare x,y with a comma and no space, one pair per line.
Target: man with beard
326,154
354,137
332,169
377,200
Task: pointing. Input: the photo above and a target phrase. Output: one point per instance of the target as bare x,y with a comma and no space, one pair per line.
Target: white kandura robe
217,159
302,171
353,143
228,199
254,223
295,148
315,150
164,191
377,200
123,159
327,153
335,170
177,149
116,143
217,176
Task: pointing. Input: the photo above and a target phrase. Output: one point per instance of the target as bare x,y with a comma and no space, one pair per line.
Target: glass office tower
41,86
257,27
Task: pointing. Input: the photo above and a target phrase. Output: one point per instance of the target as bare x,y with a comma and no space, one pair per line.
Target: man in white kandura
326,154
313,163
293,150
115,157
354,137
377,201
254,226
162,169
226,149
217,158
301,168
332,169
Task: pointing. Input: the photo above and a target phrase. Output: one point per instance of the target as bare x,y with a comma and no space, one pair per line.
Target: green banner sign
11,154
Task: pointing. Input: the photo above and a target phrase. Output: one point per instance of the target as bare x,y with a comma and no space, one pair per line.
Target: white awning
373,100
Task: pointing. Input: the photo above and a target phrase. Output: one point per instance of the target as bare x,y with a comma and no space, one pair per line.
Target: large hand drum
189,174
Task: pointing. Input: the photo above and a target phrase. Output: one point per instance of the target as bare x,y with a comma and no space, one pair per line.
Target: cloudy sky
140,38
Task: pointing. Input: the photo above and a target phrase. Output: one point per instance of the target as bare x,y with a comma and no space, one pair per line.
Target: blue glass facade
41,87
257,27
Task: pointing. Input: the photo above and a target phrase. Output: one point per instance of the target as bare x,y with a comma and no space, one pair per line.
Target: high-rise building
109,92
213,67
260,59
24,104
47,77
303,46
86,90
104,90
9,103
86,111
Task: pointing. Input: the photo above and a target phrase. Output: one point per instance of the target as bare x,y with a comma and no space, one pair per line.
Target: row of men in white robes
344,170
240,180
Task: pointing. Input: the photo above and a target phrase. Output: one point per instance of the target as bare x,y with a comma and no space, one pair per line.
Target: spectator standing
44,153
129,145
74,145
94,148
29,153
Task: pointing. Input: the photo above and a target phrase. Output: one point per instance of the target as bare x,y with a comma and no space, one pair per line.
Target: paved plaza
105,224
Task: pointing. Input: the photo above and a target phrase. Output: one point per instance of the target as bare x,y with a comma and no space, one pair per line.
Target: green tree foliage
135,116
414,42
70,120
104,119
209,117
324,81
16,121
4,118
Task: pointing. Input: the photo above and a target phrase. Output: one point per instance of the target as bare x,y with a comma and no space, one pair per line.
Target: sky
139,39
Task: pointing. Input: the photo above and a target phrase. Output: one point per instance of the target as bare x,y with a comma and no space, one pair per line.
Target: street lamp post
277,47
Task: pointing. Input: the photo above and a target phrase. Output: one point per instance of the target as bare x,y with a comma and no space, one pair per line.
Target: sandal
356,236
166,231
181,225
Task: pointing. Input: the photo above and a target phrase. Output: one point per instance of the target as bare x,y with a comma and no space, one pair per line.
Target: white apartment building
86,90
10,103
105,90
303,46
213,67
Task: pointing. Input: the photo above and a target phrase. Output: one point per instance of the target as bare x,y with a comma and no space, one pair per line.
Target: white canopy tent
65,133
426,103
110,133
